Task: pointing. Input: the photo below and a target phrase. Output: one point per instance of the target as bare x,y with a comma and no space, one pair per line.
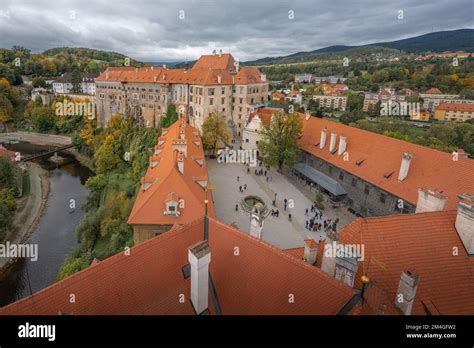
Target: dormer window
172,205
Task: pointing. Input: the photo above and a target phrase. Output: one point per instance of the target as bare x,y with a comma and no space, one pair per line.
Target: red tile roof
7,153
259,280
456,107
433,90
382,155
165,179
265,114
422,243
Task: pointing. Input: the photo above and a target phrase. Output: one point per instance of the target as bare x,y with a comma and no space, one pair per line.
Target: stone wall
365,198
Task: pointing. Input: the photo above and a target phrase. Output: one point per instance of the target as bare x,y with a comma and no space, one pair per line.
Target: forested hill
455,40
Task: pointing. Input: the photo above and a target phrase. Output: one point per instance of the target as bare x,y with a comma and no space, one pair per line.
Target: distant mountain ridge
441,41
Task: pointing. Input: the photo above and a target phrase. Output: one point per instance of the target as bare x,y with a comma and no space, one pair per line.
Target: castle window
366,189
210,91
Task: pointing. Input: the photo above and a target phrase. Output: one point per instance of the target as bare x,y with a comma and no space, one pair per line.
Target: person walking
240,188
285,202
236,207
289,216
238,178
245,187
306,212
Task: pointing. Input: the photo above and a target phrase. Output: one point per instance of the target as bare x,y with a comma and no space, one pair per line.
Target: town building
310,78
175,186
433,97
63,85
424,116
384,95
454,112
255,123
215,83
334,101
294,97
278,97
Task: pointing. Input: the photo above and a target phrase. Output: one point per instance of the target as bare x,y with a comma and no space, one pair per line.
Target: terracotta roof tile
422,243
259,279
379,155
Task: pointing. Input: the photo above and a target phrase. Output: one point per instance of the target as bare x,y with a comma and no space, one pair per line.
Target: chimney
151,67
164,66
332,142
199,257
214,52
328,263
181,162
465,222
310,251
406,159
263,77
406,292
430,200
322,142
342,145
219,79
220,53
107,74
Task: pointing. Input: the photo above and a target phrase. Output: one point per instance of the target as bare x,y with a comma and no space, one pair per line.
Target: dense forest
19,61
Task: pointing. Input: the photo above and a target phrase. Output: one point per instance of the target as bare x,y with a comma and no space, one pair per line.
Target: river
54,233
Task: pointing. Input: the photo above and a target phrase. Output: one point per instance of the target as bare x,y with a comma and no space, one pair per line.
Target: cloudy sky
250,29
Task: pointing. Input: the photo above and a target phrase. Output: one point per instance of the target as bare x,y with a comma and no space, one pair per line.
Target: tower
256,220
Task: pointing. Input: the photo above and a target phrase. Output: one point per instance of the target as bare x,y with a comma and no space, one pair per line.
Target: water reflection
55,232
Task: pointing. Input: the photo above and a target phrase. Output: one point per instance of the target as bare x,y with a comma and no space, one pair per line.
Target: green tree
171,116
214,132
43,119
279,144
107,157
39,82
76,80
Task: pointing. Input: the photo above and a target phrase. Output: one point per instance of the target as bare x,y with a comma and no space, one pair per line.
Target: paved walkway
277,231
35,138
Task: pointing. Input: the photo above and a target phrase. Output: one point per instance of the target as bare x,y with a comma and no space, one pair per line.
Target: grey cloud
250,29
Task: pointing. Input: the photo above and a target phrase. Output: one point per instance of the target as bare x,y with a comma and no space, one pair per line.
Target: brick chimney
199,257
465,222
405,166
322,142
342,145
310,251
332,142
430,200
406,292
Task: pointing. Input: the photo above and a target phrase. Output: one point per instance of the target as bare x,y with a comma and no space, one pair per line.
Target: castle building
374,174
215,83
175,186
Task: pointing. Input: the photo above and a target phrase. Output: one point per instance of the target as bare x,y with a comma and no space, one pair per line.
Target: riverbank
29,209
47,140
